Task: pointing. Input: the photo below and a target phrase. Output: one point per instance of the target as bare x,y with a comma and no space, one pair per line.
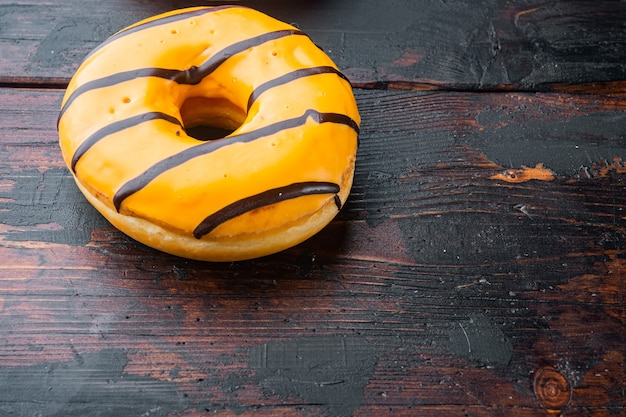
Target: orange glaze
294,116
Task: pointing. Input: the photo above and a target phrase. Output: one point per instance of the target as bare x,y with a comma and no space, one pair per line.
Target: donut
278,174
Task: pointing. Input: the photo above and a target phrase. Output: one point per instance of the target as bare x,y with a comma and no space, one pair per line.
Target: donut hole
207,133
208,119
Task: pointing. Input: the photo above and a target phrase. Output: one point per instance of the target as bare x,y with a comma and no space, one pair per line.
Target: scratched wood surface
493,44
478,268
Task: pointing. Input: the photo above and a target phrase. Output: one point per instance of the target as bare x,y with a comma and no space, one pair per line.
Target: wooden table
478,268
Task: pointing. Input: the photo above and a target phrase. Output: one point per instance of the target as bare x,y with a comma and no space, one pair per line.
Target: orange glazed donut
281,175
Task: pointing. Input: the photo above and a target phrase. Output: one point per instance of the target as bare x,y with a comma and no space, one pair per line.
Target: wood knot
552,388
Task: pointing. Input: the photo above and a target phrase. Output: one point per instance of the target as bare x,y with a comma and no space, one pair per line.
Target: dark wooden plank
397,44
455,282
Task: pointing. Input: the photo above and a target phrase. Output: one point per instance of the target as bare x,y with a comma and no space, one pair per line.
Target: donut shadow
313,261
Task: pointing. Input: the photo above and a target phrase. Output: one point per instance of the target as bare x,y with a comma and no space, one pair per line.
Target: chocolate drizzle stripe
292,76
158,22
263,199
116,127
141,181
191,76
194,75
338,202
114,79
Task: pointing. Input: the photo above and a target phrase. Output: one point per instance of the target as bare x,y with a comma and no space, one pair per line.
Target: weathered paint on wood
445,286
396,44
476,270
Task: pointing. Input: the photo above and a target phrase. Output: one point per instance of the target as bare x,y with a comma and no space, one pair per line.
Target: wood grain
398,44
477,268
438,291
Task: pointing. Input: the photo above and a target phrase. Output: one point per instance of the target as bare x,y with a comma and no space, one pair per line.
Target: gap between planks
605,88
